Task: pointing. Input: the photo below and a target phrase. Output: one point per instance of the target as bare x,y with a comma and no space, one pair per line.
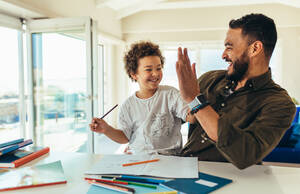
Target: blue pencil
140,179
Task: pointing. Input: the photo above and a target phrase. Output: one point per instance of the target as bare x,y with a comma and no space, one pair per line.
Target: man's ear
256,48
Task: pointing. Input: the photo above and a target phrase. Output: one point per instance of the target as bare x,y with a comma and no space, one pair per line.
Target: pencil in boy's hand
109,111
94,123
141,162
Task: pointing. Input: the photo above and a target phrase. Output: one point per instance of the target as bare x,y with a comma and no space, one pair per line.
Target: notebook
13,147
35,176
22,156
204,184
11,142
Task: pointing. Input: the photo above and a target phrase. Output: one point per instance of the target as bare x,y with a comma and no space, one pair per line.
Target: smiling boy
150,120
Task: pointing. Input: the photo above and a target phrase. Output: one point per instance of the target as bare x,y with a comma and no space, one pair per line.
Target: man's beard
240,67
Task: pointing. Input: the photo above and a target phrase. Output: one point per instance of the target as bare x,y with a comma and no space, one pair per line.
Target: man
242,114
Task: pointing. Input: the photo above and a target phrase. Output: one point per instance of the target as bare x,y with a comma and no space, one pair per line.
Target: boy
150,120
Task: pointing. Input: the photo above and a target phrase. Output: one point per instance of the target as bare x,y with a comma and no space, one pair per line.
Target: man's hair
258,27
137,51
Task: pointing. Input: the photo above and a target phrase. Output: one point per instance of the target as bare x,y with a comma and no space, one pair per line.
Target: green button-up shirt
252,119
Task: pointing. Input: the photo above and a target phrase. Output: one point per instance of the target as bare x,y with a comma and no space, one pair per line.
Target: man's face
236,54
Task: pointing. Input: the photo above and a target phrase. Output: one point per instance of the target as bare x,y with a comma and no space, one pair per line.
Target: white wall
290,61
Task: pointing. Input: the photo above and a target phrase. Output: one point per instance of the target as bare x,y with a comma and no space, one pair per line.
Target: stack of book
18,152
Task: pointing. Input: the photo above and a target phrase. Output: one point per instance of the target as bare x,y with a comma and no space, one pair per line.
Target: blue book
14,147
204,184
11,142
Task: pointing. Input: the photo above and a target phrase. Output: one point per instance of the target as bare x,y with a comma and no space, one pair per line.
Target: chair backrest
284,152
296,118
286,137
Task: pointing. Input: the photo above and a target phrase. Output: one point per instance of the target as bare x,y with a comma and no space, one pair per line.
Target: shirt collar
259,81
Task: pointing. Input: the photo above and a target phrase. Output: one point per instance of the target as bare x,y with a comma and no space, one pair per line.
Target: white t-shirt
153,125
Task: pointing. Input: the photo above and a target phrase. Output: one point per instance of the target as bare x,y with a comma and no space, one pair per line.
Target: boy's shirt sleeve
179,106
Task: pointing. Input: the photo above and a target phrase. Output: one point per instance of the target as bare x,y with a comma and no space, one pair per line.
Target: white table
253,180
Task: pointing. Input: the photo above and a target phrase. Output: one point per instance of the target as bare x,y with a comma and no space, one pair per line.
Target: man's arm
249,145
189,89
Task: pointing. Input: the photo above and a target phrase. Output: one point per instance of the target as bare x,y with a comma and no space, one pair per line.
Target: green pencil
138,184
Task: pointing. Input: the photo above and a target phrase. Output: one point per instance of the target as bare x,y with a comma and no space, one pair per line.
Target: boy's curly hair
137,51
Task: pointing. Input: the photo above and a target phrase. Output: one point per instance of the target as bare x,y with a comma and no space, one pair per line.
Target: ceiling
126,8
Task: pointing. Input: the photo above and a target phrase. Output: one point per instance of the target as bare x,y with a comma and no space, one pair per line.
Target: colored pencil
147,179
112,187
141,162
138,184
140,179
107,181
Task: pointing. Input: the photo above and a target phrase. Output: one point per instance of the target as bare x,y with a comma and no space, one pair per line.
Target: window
9,85
169,71
210,59
62,102
59,63
207,57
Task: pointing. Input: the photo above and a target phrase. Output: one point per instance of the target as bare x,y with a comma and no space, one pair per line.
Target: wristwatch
198,103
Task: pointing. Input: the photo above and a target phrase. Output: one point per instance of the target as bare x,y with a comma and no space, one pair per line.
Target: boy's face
149,73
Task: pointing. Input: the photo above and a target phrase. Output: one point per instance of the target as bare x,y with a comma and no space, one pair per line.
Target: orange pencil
141,162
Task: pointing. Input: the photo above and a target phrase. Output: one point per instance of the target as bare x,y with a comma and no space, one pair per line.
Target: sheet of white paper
167,166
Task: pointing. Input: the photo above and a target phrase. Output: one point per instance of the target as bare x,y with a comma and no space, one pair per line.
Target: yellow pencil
165,192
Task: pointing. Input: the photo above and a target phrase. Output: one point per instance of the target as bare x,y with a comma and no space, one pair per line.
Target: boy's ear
133,76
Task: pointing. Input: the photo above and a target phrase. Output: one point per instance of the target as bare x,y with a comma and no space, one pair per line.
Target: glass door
11,79
62,86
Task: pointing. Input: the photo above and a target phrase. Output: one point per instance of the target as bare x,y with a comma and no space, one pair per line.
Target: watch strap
198,103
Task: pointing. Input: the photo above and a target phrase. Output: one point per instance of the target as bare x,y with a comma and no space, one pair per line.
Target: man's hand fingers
194,70
180,70
179,54
186,56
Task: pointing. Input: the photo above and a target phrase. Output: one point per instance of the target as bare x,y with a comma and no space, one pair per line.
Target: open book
35,176
166,166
